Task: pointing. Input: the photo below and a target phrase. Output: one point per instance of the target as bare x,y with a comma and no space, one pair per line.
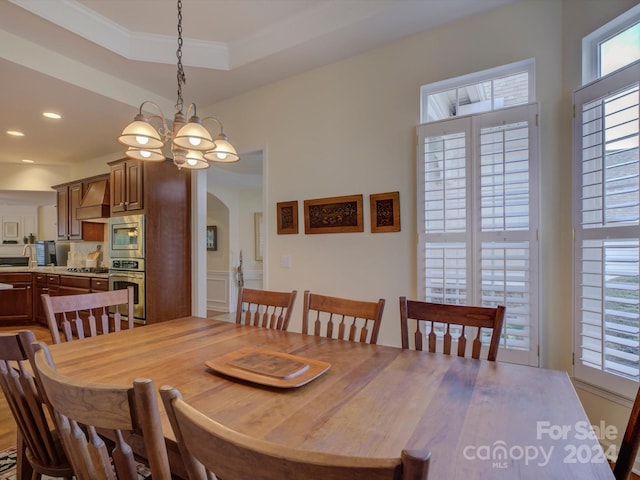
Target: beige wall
32,177
349,128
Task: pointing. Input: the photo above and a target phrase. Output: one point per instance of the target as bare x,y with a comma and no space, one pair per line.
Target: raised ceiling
95,61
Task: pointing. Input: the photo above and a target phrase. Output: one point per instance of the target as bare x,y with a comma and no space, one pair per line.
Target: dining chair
264,308
209,448
79,316
124,415
630,443
437,316
346,319
39,451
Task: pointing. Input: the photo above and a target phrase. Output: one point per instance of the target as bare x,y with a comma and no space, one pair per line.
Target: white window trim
591,43
469,125
601,88
477,77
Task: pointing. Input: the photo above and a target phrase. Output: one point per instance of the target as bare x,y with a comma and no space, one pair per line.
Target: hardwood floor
7,424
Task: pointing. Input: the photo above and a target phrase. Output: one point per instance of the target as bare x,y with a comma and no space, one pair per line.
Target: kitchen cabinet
126,184
16,304
73,285
99,284
43,283
163,194
68,199
78,285
63,285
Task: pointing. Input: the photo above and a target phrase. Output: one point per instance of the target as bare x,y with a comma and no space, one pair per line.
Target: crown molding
138,46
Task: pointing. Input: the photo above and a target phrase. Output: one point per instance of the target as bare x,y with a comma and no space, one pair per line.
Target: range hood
95,203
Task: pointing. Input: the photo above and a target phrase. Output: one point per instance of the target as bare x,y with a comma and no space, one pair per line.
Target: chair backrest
263,308
44,451
123,414
630,442
208,447
432,314
333,317
87,314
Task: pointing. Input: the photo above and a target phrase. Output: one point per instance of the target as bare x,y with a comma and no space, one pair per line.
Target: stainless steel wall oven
125,272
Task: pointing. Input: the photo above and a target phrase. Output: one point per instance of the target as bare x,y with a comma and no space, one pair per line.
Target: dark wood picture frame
385,212
287,217
212,237
333,215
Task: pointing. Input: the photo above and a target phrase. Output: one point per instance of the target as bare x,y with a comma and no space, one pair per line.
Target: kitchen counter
53,270
5,286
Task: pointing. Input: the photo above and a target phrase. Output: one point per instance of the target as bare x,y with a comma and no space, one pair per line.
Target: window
485,91
612,46
606,219
606,209
478,218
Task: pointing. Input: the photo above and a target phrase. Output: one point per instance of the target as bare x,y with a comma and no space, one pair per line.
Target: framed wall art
10,230
333,215
212,237
287,217
385,212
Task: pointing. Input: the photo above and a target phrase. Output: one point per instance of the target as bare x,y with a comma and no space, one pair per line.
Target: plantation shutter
606,215
478,219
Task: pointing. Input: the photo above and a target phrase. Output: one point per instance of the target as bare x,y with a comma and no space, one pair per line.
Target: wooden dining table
479,419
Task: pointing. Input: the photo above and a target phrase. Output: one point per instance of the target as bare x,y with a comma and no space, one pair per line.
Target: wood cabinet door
117,188
134,185
62,201
40,316
99,284
75,197
16,304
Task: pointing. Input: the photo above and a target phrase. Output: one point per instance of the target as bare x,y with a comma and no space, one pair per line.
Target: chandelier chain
180,75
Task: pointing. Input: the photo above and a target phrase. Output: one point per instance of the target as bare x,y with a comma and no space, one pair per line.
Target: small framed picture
385,212
10,230
287,215
212,237
333,215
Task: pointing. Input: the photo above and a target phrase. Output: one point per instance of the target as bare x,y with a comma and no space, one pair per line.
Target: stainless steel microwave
126,236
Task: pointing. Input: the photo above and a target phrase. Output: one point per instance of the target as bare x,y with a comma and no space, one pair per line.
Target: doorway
235,209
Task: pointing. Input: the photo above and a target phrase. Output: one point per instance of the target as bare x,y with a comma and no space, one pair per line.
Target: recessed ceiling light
15,133
55,116
26,160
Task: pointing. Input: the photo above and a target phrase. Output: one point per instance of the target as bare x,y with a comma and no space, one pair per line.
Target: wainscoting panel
222,290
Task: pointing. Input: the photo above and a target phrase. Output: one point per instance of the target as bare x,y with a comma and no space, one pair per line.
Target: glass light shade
140,134
195,161
224,151
146,154
193,136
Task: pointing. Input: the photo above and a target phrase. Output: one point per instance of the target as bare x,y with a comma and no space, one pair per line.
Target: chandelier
192,146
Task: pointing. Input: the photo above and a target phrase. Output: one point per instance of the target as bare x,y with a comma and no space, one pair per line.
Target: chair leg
24,470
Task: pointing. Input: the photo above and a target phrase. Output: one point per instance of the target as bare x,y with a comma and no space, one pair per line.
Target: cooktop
88,269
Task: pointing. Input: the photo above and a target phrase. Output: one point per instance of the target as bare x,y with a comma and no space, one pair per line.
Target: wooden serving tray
266,367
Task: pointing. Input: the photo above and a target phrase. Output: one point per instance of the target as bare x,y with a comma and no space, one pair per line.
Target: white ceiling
95,61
